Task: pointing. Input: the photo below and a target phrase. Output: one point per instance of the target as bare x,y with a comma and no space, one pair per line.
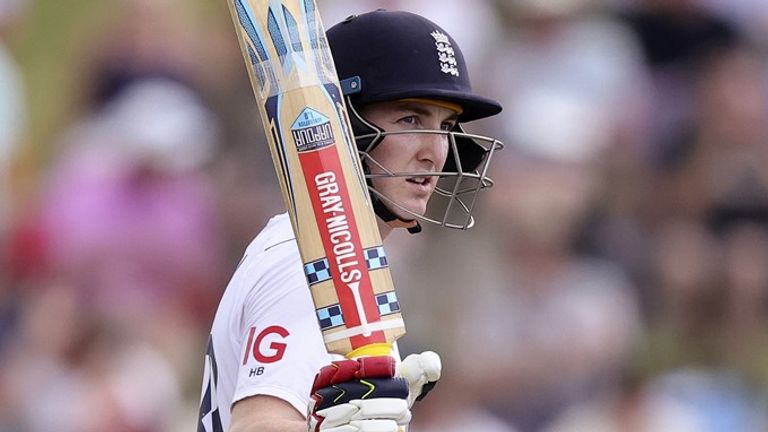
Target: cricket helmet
394,55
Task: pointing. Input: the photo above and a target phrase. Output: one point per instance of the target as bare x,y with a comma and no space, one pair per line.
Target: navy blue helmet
394,55
398,55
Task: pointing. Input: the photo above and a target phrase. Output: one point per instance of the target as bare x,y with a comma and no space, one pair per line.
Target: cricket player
266,369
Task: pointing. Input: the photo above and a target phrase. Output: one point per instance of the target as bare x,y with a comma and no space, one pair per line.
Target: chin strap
416,228
392,219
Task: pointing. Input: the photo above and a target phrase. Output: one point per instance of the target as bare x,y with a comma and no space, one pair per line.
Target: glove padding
422,372
362,395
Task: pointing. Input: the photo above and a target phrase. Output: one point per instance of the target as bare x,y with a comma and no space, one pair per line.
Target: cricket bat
312,146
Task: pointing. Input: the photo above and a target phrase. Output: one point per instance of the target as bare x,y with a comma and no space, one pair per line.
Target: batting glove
362,395
422,372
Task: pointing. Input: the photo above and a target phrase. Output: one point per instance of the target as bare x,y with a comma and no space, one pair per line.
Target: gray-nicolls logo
445,53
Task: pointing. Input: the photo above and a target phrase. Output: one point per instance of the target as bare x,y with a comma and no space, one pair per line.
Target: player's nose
432,148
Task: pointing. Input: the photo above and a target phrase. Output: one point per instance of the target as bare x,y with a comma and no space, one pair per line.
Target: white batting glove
372,415
422,372
362,395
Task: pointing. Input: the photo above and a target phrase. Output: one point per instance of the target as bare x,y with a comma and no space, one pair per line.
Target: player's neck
384,228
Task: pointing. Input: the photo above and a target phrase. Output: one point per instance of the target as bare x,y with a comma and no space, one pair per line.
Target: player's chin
410,208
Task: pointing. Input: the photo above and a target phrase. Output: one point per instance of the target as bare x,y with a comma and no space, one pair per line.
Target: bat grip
371,350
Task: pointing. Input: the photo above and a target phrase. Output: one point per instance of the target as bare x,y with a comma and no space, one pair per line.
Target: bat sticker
317,271
312,131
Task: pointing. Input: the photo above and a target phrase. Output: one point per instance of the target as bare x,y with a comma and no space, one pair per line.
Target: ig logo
265,348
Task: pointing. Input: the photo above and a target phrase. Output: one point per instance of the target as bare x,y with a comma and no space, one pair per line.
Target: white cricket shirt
265,339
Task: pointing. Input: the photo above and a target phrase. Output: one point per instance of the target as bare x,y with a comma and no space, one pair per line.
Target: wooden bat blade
301,105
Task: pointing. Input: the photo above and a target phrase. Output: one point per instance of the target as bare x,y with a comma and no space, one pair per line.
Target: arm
281,348
270,414
266,414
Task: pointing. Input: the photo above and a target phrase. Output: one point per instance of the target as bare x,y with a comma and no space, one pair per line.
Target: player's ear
471,154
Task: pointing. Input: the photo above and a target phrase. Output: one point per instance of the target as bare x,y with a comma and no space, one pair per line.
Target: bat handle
371,350
375,350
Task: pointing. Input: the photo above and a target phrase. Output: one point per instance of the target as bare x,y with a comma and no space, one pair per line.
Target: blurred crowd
617,279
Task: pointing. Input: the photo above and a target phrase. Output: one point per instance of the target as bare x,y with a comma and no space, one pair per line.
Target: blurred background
617,279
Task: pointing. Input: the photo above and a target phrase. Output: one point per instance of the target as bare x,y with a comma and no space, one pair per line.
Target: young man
407,89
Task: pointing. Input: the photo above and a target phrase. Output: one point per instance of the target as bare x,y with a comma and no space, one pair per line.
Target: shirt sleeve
282,347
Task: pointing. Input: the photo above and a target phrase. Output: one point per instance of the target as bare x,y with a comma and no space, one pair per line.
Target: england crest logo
445,53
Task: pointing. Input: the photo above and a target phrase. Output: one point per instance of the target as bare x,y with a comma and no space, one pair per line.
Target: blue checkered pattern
330,317
317,271
376,258
387,303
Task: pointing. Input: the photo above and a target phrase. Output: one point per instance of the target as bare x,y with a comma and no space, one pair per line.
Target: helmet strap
392,219
416,228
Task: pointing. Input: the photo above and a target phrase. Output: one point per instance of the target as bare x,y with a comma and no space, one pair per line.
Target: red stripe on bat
341,240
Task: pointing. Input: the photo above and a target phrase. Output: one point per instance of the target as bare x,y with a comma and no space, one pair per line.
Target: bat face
303,112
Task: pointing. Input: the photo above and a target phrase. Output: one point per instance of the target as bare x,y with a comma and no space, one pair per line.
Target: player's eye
408,120
448,125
